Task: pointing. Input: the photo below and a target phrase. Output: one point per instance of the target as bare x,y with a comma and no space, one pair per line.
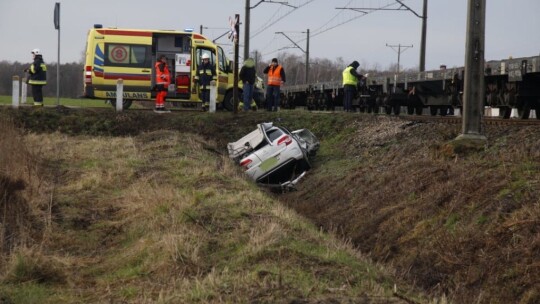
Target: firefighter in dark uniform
206,72
38,77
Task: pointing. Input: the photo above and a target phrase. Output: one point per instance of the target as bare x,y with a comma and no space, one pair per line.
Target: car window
274,134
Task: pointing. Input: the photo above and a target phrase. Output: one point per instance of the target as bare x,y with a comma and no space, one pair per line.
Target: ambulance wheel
228,102
126,103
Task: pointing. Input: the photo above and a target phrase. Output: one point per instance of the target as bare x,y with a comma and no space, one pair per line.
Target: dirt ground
459,219
453,218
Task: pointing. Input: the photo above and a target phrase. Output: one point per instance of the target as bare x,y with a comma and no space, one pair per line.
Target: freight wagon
509,83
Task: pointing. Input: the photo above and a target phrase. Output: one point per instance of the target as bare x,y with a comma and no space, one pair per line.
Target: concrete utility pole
307,57
422,66
247,21
474,88
399,46
306,51
403,7
246,30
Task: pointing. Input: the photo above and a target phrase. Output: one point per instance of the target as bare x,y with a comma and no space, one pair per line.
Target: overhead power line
321,29
327,26
275,17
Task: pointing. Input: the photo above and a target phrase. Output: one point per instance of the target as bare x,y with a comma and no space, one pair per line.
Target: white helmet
36,52
205,56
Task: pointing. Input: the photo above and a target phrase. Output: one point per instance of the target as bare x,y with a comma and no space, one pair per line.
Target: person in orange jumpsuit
163,79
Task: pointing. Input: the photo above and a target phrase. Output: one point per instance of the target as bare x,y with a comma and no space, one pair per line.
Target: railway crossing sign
233,22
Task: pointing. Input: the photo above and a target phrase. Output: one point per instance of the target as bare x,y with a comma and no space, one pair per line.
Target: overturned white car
274,156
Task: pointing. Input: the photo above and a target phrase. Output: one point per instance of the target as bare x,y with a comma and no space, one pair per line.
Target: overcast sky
511,27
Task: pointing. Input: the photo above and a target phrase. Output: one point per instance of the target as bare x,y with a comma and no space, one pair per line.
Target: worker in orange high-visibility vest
163,79
276,78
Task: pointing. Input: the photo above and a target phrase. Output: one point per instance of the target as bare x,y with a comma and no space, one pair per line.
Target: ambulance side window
222,60
127,55
209,52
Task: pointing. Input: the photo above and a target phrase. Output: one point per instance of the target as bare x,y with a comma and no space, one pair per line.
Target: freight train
512,83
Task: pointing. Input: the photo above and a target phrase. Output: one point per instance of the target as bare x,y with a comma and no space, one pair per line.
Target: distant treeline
71,75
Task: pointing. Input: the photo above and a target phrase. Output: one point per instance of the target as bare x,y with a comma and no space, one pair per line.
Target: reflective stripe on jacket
348,78
205,74
38,72
274,76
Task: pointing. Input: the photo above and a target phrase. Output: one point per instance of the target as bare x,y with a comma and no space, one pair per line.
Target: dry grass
464,226
24,191
144,212
160,217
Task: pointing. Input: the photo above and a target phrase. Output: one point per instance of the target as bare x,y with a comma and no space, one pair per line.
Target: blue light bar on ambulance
189,30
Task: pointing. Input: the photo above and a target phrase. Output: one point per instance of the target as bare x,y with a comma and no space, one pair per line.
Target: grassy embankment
155,217
453,219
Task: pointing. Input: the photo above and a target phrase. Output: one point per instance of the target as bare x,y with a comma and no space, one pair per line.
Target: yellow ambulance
130,55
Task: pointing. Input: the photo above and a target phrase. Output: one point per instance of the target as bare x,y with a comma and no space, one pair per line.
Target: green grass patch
28,293
53,101
452,221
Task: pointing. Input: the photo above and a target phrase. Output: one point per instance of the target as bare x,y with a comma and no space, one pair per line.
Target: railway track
444,119
485,120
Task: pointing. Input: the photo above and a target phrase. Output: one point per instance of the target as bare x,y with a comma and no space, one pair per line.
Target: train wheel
388,110
443,110
410,110
505,112
419,110
433,110
524,113
397,110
